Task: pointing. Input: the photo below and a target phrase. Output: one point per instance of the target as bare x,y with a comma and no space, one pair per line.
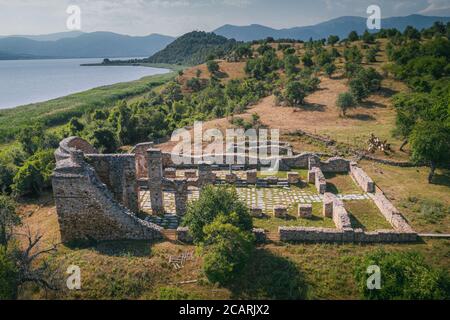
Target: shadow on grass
126,248
356,224
442,179
268,276
313,107
372,104
331,187
361,117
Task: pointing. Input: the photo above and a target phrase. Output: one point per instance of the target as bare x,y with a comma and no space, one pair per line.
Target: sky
176,17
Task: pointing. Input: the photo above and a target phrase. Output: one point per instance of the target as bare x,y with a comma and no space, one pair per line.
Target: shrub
8,276
212,202
404,275
228,249
295,93
35,174
345,101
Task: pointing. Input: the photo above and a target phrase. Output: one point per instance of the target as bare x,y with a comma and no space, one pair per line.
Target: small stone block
293,177
280,212
305,210
190,174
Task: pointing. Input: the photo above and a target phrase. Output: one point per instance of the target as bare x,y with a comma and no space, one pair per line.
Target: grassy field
59,111
140,270
341,184
271,224
365,215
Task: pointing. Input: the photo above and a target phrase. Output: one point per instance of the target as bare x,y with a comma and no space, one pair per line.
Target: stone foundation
280,212
293,177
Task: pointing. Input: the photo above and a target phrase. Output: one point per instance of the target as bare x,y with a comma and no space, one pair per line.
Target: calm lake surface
29,81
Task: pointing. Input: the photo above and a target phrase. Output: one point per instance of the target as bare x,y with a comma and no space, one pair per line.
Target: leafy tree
295,93
212,202
353,36
75,126
228,249
290,64
404,275
329,68
307,60
194,84
8,275
332,40
213,67
430,143
358,89
345,101
35,174
104,140
411,33
8,219
367,37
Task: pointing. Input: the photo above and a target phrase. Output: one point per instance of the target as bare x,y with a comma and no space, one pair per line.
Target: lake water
29,81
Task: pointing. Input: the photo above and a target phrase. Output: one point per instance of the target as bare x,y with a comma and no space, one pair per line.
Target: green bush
35,174
212,202
228,249
345,101
8,275
404,275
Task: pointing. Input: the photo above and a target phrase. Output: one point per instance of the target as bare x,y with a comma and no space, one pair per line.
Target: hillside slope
193,48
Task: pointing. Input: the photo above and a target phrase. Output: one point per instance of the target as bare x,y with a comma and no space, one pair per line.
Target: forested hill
194,48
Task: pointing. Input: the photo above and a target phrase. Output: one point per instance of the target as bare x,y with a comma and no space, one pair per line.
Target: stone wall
303,234
335,164
361,178
390,212
118,172
86,208
319,179
338,212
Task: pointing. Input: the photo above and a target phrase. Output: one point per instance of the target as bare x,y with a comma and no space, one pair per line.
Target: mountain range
340,26
84,45
77,44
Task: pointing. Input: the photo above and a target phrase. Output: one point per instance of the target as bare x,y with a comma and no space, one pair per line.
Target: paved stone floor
265,198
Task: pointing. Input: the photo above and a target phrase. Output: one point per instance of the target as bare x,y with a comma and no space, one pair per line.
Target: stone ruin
97,195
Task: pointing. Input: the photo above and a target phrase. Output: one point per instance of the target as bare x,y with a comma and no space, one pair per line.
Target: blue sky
175,17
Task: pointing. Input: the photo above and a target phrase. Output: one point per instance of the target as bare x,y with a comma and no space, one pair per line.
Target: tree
75,126
8,219
212,202
345,101
358,89
368,37
295,93
329,68
307,60
430,143
290,64
353,36
332,40
404,276
213,67
104,140
228,249
8,275
194,84
35,174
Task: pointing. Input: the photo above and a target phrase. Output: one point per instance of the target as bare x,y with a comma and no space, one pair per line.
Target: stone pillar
130,189
312,176
328,205
252,176
181,196
293,177
313,162
205,174
155,175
